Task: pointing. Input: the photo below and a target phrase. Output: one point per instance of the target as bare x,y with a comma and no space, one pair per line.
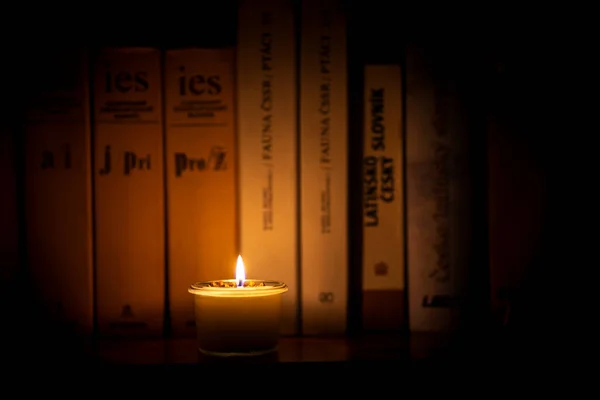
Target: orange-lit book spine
129,192
58,190
201,174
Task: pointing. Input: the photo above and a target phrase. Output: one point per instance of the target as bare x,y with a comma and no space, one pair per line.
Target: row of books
147,170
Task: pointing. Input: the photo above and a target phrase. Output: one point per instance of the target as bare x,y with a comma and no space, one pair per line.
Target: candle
238,316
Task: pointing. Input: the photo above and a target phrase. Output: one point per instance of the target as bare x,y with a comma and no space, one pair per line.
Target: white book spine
323,160
383,237
267,138
437,195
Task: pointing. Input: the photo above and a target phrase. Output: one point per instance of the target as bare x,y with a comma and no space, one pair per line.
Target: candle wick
240,283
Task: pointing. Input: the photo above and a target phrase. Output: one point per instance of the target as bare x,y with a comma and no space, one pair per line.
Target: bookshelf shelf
372,349
302,362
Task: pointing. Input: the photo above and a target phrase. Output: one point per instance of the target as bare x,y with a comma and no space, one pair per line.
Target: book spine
439,190
129,197
383,219
515,193
58,190
201,174
323,160
267,137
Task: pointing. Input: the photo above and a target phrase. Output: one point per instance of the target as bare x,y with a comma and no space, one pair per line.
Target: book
58,204
383,212
129,192
323,168
268,147
515,193
441,204
201,174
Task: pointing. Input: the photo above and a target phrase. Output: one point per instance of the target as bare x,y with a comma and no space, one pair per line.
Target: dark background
509,55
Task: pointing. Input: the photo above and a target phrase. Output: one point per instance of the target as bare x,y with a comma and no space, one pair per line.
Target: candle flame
240,272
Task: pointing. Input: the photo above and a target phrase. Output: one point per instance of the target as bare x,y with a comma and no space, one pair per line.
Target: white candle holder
233,320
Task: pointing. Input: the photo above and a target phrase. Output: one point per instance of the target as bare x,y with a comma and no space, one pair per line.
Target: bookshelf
375,36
